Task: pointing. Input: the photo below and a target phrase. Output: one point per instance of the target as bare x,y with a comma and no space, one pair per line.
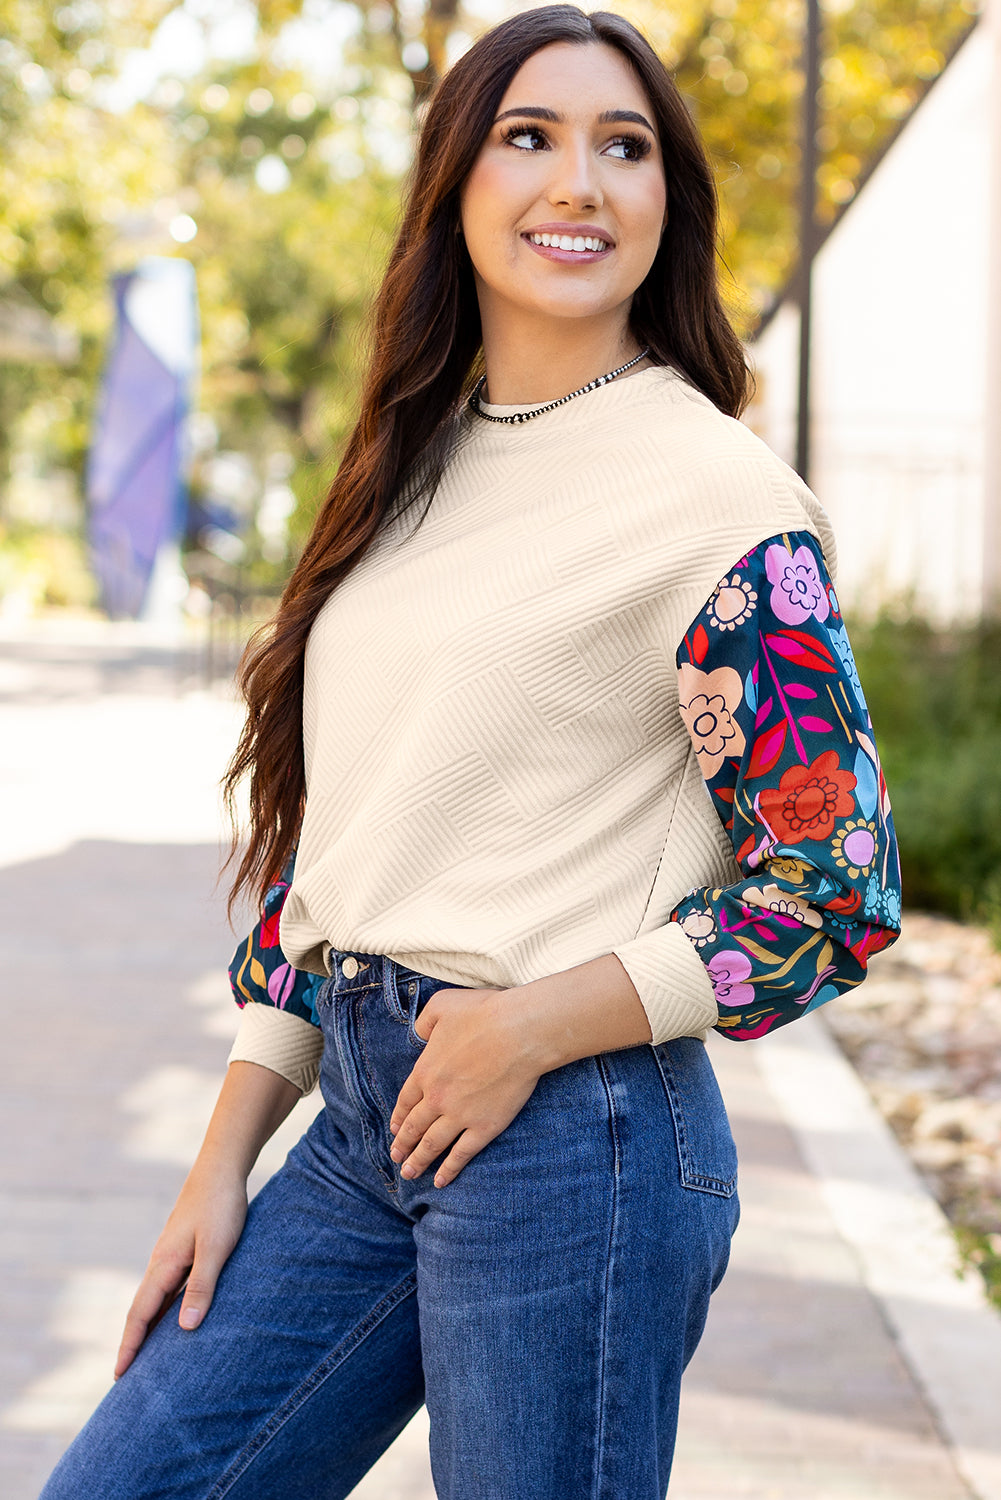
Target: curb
939,1315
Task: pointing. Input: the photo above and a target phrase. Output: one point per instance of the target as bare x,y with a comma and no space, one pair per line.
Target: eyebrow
607,117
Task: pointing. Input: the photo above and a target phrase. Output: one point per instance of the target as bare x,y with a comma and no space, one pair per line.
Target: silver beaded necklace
526,416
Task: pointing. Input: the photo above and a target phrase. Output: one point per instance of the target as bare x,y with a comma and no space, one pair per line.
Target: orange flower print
808,799
709,701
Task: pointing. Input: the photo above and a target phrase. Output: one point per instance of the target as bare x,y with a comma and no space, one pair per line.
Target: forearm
252,1103
579,1012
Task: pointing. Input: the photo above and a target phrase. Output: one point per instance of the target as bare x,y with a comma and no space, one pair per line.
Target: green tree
290,183
739,64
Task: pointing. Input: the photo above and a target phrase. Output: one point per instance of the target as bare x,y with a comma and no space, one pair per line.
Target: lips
574,231
569,243
577,242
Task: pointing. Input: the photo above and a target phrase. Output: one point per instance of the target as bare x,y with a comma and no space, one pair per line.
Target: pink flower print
281,983
728,971
797,592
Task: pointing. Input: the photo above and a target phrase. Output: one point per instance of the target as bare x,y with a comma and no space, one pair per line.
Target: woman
515,911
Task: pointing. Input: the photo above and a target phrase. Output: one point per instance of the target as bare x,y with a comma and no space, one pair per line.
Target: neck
527,363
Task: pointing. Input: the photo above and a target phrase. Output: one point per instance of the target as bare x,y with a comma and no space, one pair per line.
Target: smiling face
563,210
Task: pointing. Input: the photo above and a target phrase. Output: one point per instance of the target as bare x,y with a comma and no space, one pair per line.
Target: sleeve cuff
672,983
282,1042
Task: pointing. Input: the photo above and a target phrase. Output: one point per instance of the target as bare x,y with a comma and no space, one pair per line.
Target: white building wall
900,360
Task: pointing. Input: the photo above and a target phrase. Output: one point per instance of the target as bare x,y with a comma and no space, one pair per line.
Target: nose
576,182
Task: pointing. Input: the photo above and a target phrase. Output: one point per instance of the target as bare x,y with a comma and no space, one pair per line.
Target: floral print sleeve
259,971
772,702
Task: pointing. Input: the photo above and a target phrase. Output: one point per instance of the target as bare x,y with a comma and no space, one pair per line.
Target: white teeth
578,242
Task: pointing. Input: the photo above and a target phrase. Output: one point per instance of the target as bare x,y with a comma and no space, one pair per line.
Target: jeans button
349,967
413,989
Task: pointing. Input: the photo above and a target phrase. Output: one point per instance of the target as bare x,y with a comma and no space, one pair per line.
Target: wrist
579,1012
526,1017
222,1168
540,1016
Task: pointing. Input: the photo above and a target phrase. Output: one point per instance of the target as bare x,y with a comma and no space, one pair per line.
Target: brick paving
116,1024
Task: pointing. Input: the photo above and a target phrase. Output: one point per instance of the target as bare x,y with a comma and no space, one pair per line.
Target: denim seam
353,1086
389,1182
380,1103
599,1453
721,1187
311,1384
391,991
328,992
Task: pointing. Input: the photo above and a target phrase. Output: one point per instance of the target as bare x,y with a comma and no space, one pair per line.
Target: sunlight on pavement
138,769
172,1105
88,1316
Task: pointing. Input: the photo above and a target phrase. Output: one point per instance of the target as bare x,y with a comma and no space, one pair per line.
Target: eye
525,138
629,147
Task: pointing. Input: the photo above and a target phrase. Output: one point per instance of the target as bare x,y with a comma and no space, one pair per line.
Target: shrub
935,700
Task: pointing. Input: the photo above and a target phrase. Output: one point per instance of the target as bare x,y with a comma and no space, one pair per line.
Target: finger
200,1289
466,1147
410,1095
436,1139
429,1016
159,1284
417,1122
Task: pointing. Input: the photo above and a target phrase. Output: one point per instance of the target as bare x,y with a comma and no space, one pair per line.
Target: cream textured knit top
499,783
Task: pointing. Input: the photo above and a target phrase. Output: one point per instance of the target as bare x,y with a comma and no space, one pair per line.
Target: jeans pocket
706,1152
413,991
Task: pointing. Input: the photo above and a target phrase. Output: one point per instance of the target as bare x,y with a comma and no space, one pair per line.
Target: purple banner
135,470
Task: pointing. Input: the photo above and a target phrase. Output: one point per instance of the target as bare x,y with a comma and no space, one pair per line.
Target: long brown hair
425,354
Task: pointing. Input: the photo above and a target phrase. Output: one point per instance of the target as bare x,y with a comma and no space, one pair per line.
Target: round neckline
496,409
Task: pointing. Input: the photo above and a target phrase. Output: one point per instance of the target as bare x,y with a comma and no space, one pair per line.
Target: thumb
198,1292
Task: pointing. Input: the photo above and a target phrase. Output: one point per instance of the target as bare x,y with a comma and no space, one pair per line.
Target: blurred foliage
984,1252
738,63
935,700
278,178
43,567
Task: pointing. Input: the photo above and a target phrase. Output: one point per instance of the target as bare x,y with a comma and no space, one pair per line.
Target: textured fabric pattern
811,833
491,730
278,1040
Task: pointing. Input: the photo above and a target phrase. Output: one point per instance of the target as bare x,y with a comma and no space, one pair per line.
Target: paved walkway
116,1024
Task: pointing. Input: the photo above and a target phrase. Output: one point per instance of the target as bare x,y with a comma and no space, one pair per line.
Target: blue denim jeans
543,1305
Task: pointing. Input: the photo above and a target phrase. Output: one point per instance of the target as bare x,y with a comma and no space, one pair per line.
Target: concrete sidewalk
816,1378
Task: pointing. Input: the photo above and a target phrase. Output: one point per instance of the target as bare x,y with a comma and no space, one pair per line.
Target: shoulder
715,466
682,424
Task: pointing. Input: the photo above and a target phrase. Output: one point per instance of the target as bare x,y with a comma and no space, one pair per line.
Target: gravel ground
924,1032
